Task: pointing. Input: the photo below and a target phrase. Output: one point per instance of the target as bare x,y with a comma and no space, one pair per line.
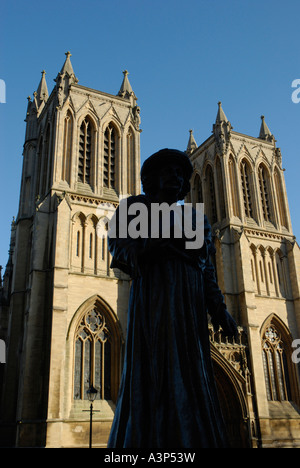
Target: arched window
280,199
91,240
85,152
247,196
197,190
276,371
233,187
97,354
78,230
211,207
38,168
110,155
264,192
280,270
45,162
67,148
130,162
220,189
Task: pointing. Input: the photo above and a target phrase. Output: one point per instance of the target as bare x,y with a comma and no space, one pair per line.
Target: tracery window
93,356
110,142
85,152
275,365
245,177
264,195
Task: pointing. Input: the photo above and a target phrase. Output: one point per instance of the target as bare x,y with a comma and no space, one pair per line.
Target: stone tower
240,179
63,310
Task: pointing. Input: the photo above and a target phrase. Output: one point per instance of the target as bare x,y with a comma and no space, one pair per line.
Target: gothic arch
246,177
91,244
130,153
87,112
280,198
264,186
111,154
233,185
68,129
231,388
38,166
46,159
78,241
87,144
196,188
281,377
281,270
210,205
95,321
220,188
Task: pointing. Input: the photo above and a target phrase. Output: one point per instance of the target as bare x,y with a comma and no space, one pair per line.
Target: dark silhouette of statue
167,397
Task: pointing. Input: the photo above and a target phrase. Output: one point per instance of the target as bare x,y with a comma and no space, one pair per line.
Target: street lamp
91,393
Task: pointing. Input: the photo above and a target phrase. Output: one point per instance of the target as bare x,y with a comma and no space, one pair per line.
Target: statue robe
167,397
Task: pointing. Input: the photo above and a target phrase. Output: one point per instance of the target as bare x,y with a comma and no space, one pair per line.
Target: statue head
167,170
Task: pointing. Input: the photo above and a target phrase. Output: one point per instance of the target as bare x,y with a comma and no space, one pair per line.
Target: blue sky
182,57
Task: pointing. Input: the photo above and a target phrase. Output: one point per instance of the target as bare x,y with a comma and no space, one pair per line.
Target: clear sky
182,57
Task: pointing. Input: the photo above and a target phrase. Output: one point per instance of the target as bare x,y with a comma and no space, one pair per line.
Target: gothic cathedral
63,310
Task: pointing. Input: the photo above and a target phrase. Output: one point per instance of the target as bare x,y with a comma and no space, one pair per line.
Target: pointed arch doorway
233,404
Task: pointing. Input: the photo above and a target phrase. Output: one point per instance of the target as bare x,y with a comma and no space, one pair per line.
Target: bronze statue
167,396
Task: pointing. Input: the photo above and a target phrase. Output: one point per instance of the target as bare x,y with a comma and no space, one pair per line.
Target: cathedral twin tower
63,311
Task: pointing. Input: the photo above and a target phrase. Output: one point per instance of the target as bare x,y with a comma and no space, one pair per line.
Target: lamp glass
92,393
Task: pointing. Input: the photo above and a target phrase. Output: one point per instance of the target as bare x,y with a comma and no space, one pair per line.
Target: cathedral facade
63,310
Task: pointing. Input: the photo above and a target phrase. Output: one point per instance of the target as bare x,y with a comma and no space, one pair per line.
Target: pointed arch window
276,370
233,187
245,178
97,355
220,189
45,162
211,199
280,199
198,196
67,148
130,161
85,151
264,192
110,149
38,169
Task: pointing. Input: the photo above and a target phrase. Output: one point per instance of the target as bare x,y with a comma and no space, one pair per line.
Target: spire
221,117
125,90
64,79
192,145
222,130
42,91
265,133
67,71
67,66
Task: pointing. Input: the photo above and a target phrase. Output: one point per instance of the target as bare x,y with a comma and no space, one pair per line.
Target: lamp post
91,393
